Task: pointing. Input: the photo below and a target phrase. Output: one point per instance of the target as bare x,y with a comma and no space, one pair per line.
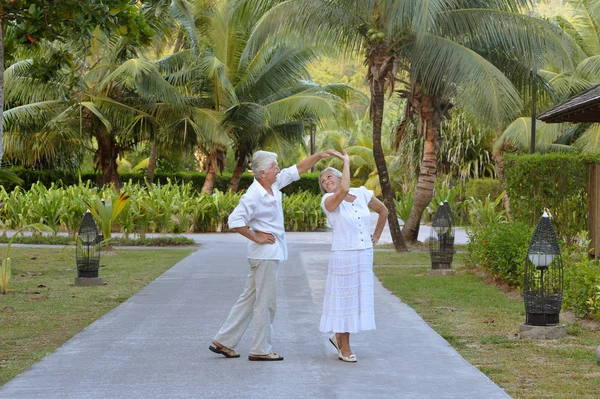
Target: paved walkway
155,344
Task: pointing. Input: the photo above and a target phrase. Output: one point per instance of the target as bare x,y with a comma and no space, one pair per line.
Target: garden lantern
88,252
542,289
441,238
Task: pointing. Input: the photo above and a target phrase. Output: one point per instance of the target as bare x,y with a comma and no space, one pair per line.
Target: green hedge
308,181
556,182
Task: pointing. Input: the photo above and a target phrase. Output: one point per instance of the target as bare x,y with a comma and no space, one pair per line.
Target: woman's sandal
222,350
349,359
269,357
333,340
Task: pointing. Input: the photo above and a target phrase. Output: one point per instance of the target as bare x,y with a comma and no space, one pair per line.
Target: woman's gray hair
261,161
334,172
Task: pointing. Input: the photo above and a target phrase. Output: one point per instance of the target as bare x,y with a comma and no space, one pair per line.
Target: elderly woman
348,303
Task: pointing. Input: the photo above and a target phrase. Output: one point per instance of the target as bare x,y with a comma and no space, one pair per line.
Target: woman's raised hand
342,155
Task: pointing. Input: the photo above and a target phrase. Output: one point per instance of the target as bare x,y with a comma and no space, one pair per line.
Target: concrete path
155,344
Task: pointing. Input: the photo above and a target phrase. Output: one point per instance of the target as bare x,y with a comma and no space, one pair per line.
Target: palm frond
445,67
312,22
183,11
519,133
310,103
144,78
103,119
32,117
271,69
208,126
589,142
215,71
587,29
589,68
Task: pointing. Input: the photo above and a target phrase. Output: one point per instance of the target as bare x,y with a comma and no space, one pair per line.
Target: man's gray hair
334,172
261,161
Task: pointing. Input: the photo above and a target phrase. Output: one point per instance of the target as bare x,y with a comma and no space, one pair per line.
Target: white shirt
261,211
351,221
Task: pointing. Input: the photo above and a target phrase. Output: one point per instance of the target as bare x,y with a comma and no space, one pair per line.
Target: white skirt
348,303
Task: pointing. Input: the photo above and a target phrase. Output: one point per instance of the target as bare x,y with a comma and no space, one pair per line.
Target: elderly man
259,217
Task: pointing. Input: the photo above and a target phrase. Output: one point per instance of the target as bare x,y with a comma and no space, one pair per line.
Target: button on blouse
351,221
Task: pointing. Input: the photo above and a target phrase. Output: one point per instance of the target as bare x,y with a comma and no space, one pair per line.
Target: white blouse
351,221
261,211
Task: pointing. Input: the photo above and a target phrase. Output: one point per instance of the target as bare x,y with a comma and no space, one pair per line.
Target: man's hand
309,162
264,238
328,153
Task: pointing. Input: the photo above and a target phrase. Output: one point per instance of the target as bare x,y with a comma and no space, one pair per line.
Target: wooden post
594,210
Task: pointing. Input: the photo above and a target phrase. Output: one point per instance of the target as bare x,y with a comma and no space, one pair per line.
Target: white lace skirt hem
348,303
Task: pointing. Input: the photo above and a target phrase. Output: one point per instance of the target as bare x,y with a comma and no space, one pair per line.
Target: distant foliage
556,182
480,188
31,177
160,208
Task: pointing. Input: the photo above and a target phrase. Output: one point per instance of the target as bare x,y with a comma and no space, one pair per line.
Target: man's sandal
230,353
269,357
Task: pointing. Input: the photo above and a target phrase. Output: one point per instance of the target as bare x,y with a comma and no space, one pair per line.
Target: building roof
584,107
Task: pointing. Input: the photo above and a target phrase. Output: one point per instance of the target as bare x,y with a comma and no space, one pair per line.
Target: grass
481,322
43,309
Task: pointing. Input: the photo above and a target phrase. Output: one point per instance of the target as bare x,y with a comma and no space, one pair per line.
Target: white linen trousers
257,304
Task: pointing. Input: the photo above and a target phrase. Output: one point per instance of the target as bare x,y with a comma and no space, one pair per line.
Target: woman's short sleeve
367,194
323,203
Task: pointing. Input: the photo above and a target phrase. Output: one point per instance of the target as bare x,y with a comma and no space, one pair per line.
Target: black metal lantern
88,248
543,286
441,238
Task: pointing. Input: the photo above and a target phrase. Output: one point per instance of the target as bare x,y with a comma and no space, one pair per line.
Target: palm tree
581,21
108,109
437,44
251,95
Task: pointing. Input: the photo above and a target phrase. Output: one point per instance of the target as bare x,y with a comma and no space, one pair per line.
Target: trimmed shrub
556,182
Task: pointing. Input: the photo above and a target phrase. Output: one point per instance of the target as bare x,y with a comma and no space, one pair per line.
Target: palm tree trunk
430,123
178,42
152,163
378,99
211,172
242,164
500,172
107,154
1,86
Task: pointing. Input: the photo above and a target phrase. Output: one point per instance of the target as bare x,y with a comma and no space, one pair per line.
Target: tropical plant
110,106
28,23
403,204
6,266
580,20
106,211
444,49
367,27
245,96
486,212
457,61
447,192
